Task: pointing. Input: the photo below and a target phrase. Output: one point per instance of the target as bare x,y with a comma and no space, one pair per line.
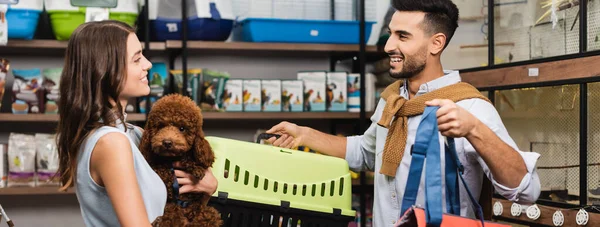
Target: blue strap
452,189
176,191
427,145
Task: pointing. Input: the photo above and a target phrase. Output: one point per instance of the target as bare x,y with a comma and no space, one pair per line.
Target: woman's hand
207,185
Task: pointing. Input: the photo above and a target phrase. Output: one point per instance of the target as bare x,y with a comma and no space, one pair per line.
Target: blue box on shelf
299,31
22,23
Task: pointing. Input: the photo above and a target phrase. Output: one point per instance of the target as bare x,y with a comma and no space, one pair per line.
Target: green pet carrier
263,185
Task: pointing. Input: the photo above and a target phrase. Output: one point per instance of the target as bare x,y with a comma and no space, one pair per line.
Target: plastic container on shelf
207,20
299,31
65,18
262,183
23,18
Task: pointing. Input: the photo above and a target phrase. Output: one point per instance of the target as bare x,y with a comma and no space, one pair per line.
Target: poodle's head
174,129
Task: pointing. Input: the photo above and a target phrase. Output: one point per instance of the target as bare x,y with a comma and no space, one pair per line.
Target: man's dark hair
441,16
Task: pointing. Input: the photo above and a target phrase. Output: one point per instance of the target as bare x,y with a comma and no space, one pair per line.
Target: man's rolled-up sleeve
528,190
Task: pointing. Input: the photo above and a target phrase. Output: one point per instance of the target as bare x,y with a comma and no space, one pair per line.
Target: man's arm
511,171
505,163
359,151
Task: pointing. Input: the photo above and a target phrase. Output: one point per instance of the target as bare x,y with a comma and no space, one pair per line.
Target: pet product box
21,160
213,87
157,80
194,88
271,95
27,90
314,90
51,89
354,92
3,166
46,160
251,95
232,96
292,97
337,91
4,66
312,189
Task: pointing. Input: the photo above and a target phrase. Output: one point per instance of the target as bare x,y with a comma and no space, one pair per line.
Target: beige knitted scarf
400,108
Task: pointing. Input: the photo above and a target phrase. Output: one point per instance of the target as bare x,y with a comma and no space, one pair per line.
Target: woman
104,67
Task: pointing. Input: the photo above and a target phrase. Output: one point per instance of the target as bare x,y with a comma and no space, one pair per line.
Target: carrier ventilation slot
314,190
295,190
341,186
236,175
275,186
266,187
322,189
226,172
332,188
246,177
303,190
256,181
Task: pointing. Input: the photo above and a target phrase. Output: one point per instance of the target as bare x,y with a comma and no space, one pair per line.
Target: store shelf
35,191
9,117
250,46
278,115
53,47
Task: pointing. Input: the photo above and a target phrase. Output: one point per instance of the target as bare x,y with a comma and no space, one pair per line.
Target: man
419,32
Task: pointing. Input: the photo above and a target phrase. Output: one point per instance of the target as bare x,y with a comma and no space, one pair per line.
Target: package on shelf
3,165
354,92
46,160
314,90
371,97
271,95
251,95
157,80
232,96
337,91
292,97
206,20
213,89
21,160
51,89
27,90
4,67
194,80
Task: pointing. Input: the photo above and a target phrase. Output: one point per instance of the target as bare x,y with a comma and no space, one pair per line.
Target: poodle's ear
146,144
203,152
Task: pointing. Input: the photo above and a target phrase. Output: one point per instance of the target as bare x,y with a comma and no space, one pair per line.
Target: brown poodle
173,132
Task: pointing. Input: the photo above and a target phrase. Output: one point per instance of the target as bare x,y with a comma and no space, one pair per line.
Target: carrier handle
265,136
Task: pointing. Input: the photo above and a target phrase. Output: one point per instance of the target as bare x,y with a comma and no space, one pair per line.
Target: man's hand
453,120
292,135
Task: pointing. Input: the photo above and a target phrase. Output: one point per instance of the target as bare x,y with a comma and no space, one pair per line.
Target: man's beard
410,67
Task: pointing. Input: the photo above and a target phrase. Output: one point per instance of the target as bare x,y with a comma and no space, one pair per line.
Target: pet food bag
21,160
51,89
251,95
337,91
4,67
46,160
314,90
292,95
27,88
213,88
271,95
3,166
232,96
157,80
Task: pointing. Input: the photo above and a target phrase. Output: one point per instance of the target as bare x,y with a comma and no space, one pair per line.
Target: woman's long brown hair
92,79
